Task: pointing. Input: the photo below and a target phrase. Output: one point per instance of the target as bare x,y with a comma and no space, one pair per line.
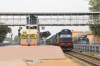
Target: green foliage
7,39
16,38
95,7
95,30
3,31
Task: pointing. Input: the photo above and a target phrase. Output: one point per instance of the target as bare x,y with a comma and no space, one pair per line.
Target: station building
89,34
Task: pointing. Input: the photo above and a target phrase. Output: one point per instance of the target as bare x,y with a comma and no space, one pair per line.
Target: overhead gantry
51,18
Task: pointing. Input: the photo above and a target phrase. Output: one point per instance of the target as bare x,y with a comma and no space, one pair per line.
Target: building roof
85,33
77,31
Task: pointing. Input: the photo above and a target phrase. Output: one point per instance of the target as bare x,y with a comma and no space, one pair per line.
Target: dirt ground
81,63
64,62
13,63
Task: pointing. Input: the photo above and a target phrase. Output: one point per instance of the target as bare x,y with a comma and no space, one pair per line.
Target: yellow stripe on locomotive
31,36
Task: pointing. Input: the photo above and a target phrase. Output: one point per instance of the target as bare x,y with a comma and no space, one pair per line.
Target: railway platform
23,55
31,52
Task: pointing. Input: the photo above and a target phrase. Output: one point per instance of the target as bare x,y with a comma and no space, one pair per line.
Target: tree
95,7
7,39
3,31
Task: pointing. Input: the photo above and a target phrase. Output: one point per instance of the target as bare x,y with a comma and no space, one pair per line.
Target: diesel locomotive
62,39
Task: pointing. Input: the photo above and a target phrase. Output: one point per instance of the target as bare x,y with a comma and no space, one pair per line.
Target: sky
45,6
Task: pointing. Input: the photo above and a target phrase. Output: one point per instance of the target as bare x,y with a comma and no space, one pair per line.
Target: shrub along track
91,60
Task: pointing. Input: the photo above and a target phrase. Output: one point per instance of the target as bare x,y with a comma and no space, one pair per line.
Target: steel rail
91,60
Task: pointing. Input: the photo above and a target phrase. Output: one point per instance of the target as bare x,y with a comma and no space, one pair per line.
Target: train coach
62,39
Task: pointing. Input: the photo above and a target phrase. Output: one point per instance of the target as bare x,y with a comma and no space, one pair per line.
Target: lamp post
94,43
19,33
29,37
11,38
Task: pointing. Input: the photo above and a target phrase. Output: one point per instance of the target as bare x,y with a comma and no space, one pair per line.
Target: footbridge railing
8,44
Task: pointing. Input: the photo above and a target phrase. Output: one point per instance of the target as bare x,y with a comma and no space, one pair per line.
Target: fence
86,47
7,44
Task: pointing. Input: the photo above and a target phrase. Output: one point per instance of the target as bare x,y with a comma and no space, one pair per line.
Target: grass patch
70,57
80,63
88,54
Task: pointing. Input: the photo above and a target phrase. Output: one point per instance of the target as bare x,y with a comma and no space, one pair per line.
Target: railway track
91,60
